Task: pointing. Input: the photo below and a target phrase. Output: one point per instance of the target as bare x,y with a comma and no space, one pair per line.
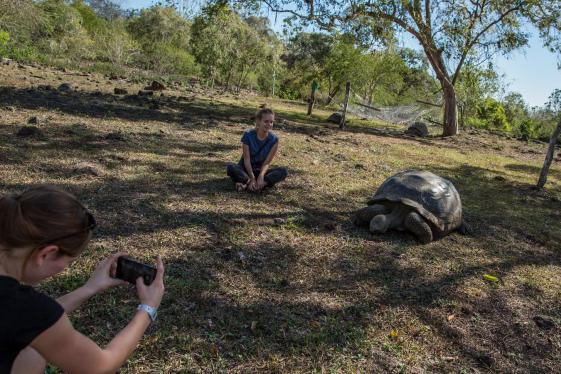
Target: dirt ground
282,281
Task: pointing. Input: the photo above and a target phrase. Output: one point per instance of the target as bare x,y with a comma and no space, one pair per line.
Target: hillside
282,281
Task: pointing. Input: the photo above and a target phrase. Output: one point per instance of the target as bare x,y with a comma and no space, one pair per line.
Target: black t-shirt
24,315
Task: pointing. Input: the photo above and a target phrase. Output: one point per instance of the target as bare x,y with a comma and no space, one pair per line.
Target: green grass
282,282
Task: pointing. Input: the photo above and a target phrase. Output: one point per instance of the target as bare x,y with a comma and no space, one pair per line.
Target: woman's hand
103,276
152,294
252,185
260,183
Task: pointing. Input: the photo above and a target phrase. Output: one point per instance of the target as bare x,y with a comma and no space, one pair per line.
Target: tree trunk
450,110
549,156
332,94
311,101
240,80
345,105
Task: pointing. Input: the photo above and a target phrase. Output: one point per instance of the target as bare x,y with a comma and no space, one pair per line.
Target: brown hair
263,111
39,216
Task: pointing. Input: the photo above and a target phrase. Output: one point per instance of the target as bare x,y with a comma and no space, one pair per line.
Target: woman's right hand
152,294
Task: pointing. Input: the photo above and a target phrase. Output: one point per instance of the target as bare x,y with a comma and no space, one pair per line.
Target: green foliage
474,86
164,38
160,25
490,115
4,39
231,51
63,33
113,44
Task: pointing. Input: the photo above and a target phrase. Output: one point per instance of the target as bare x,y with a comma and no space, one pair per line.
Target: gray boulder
419,129
335,118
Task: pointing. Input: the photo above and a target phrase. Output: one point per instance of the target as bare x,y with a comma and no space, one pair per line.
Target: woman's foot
241,187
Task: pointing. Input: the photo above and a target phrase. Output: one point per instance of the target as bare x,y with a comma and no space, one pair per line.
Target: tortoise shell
433,197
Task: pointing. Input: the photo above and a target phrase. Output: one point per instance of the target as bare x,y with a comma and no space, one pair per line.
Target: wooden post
312,100
549,156
345,105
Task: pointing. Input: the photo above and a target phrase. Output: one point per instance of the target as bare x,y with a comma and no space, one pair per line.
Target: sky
531,71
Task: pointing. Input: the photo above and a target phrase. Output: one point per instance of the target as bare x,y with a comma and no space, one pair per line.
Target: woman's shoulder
273,136
26,297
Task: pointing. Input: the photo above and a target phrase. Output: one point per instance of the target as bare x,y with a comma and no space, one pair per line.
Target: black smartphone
129,270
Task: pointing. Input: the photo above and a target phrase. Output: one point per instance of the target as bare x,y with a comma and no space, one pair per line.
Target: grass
282,282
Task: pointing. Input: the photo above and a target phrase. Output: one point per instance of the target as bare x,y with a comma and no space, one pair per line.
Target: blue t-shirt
258,149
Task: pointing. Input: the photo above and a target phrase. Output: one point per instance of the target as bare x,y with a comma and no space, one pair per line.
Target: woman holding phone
42,231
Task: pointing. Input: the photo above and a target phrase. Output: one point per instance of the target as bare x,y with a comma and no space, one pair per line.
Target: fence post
345,105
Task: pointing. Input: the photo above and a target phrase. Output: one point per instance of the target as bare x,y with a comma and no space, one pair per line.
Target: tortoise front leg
419,227
363,216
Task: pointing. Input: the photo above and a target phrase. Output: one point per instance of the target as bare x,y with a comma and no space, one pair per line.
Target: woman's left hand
260,182
103,276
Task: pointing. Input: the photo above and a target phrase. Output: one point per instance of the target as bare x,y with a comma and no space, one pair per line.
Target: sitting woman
259,147
42,231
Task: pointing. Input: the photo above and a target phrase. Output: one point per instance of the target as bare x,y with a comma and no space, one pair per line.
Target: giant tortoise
421,202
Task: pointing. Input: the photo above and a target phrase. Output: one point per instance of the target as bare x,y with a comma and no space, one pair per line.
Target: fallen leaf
393,334
451,317
490,278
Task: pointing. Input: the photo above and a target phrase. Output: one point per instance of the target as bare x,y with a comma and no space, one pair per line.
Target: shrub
490,114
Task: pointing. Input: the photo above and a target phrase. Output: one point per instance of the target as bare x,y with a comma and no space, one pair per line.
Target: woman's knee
230,169
283,173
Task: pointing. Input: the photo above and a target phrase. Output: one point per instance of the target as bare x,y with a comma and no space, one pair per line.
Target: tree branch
470,44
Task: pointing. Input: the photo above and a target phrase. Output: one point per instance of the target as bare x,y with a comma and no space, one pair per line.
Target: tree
451,33
165,39
106,9
554,105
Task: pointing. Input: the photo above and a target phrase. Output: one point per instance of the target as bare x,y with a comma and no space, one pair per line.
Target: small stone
145,93
116,135
65,87
84,168
543,322
120,91
29,131
33,120
279,221
155,86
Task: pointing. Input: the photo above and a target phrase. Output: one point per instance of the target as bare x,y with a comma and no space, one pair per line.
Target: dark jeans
238,174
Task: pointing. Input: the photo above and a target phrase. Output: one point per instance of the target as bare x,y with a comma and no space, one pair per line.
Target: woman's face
265,124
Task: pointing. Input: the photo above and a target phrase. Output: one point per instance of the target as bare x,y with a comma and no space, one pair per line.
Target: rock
85,168
117,135
30,131
45,87
155,86
33,120
120,91
145,93
279,221
419,129
335,118
543,322
65,87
